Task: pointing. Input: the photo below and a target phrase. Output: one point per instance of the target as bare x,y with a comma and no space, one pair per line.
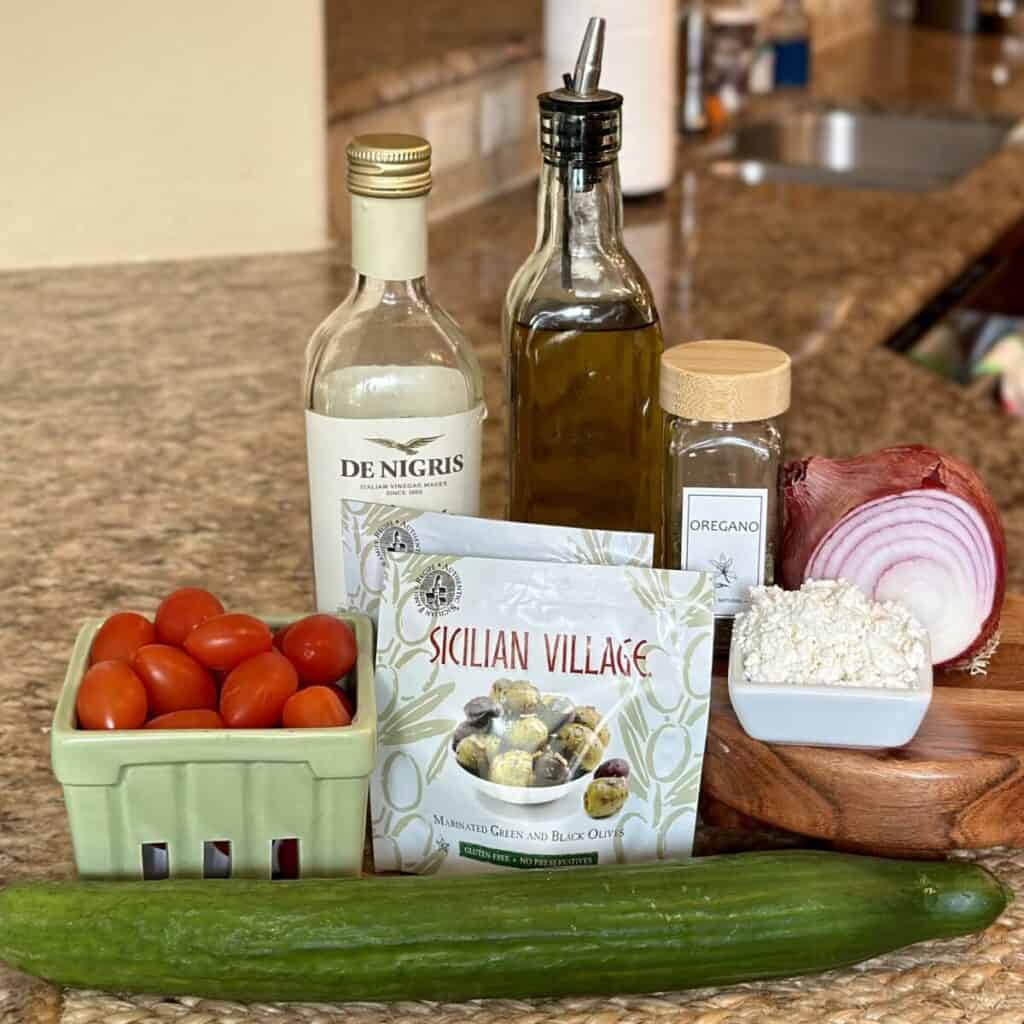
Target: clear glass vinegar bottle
582,336
393,389
723,466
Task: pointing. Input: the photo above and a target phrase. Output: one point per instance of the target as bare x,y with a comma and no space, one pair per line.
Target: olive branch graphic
724,576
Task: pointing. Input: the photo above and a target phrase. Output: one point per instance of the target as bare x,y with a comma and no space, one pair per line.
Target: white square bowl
827,715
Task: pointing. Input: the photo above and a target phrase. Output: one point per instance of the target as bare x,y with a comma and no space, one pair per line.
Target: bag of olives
537,714
372,533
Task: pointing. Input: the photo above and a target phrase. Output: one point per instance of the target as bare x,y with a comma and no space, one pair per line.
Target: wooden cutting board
959,784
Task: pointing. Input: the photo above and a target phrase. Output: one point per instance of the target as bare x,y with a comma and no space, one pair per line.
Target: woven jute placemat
977,979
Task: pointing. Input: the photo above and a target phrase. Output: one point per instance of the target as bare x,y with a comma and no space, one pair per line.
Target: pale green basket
246,786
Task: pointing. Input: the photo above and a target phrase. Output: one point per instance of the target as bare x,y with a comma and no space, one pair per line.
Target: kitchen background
210,129
212,132
173,227
232,139
467,75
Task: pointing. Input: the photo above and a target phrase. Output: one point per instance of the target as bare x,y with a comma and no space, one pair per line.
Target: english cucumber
708,921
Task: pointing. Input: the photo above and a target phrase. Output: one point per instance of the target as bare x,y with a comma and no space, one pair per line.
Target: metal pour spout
581,85
588,63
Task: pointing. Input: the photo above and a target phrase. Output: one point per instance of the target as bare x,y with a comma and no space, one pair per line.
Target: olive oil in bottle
582,335
586,437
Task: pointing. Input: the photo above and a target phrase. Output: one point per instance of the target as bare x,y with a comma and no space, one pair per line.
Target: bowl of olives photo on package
521,746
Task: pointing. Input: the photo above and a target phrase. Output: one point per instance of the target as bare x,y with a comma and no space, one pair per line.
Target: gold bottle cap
725,381
388,166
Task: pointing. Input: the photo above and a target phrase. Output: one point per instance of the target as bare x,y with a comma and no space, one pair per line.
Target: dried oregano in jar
723,471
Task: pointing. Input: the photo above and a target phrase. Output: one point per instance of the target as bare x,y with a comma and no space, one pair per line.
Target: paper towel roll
640,54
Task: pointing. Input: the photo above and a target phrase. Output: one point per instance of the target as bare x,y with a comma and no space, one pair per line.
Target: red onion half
904,524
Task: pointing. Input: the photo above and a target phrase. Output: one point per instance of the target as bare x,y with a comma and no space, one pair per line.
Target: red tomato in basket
120,637
321,647
347,702
225,641
196,718
174,681
179,613
256,691
279,637
111,696
315,707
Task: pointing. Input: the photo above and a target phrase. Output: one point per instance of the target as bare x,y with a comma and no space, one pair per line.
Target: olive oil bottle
582,335
585,433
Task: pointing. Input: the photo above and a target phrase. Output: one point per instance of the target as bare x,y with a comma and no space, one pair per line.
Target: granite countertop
151,418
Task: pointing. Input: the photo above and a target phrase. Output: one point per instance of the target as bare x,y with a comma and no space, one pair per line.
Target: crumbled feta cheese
828,632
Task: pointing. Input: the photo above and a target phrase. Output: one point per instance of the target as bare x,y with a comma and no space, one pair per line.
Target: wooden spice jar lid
725,381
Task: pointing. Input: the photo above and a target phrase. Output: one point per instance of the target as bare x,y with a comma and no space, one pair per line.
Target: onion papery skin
906,523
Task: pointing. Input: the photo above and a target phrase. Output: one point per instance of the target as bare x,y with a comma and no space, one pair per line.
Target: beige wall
148,129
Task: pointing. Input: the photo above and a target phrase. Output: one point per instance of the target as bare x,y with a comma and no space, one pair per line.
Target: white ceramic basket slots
828,715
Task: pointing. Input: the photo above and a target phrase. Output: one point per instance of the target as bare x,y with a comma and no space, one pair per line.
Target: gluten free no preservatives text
567,653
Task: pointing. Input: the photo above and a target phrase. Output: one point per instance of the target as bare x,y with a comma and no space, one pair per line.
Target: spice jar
723,474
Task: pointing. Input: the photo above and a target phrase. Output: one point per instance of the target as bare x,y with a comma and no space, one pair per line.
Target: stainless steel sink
863,149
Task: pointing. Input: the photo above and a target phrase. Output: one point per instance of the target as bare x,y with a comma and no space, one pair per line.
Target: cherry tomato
198,718
315,707
321,647
225,641
256,691
173,680
111,696
120,637
338,688
279,637
179,613
347,702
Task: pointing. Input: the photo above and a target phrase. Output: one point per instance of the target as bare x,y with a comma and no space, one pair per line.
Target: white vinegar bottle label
429,462
723,533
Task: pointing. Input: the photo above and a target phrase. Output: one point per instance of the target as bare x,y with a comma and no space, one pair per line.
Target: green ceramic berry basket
186,793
